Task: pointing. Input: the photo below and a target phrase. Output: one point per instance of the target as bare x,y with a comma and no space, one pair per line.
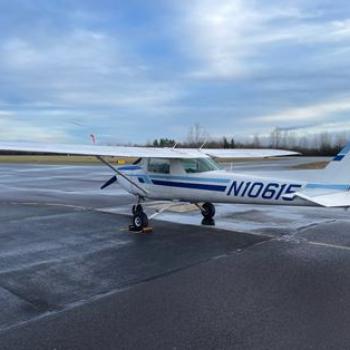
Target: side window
190,165
159,165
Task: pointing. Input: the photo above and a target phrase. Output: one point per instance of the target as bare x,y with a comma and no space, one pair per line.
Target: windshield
199,165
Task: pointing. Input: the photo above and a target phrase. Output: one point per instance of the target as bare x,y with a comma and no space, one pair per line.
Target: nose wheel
139,220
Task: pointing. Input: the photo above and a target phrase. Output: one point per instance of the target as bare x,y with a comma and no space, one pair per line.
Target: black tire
208,210
140,220
136,209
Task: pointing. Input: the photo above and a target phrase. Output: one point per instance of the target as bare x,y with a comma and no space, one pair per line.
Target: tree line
321,144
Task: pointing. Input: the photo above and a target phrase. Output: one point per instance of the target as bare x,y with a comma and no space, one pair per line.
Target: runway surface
73,277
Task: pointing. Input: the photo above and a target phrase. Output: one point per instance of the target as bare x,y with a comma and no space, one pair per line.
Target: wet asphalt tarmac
73,277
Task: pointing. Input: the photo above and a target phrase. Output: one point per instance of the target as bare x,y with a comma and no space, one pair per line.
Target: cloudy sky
131,70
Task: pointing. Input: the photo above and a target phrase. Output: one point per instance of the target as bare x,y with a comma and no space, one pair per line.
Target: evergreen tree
164,142
225,142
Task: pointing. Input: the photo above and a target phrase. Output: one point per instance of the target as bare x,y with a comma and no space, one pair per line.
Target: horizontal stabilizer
329,200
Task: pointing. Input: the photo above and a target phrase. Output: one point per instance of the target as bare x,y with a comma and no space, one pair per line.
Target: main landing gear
139,220
208,212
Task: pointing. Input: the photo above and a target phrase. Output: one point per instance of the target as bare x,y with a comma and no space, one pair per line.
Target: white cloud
216,36
226,37
79,49
81,74
331,128
309,113
82,68
12,129
4,113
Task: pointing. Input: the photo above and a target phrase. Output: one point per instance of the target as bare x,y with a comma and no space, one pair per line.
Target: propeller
111,181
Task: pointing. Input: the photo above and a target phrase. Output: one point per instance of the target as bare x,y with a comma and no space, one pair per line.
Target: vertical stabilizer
338,170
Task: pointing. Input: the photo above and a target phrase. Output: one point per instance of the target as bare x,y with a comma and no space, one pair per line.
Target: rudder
338,170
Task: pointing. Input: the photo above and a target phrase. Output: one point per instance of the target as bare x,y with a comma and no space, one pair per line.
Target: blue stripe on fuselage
216,188
189,178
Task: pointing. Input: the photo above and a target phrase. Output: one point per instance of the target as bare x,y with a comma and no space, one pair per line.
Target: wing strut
104,161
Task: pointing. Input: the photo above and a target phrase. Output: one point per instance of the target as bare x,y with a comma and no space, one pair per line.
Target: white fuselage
217,186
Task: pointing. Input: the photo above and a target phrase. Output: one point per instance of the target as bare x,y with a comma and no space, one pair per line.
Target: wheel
140,220
208,210
137,209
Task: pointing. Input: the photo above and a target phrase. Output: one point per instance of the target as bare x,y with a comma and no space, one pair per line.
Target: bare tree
291,140
256,141
304,142
325,143
341,139
197,136
276,138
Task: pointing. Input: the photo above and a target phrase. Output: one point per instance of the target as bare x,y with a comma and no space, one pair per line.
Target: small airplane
193,176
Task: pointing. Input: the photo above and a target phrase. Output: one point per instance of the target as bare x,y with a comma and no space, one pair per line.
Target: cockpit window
199,165
159,165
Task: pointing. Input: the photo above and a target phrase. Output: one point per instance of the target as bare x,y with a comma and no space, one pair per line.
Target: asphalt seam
36,305
329,245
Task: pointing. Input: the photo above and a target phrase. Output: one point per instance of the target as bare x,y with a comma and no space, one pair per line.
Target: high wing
104,151
140,152
247,153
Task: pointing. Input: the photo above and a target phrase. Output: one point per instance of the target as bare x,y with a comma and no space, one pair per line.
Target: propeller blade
111,181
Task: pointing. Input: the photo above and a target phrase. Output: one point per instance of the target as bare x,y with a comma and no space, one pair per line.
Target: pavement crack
39,305
314,224
291,237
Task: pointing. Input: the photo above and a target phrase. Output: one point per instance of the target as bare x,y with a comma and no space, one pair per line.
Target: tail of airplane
334,188
338,170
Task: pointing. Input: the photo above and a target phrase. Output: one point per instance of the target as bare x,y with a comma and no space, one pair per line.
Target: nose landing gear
139,220
136,209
